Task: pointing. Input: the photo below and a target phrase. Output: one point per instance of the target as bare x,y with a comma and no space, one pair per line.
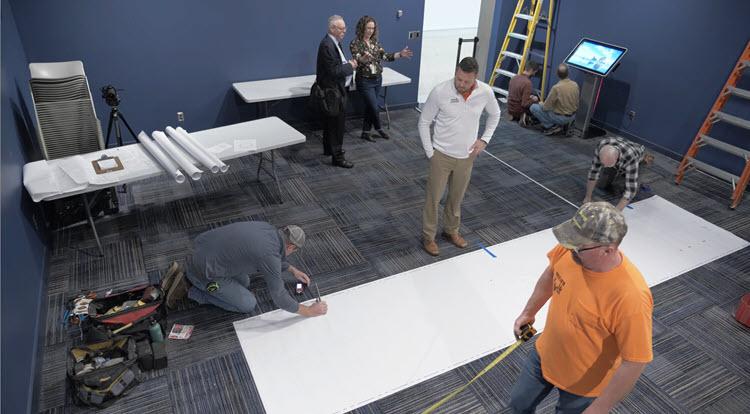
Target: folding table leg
385,105
272,173
260,165
276,177
91,223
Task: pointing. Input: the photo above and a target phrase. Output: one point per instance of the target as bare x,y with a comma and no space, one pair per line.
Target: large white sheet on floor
387,335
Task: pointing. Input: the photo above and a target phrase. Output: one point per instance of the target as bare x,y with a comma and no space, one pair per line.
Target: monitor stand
586,107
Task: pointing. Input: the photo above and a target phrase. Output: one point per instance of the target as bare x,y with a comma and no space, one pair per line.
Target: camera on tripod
109,93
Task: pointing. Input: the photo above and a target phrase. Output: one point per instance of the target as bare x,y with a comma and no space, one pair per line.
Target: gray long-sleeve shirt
239,249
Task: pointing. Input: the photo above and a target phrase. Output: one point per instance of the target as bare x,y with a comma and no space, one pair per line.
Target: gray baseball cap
295,235
594,223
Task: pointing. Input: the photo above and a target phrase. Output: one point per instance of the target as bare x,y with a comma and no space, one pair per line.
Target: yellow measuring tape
527,332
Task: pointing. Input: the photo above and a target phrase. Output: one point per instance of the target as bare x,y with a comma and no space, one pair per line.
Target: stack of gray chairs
66,120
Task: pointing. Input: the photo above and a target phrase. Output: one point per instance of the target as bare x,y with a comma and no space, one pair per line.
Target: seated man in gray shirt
225,257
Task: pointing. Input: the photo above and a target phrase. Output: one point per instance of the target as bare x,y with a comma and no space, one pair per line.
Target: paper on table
242,145
197,151
177,155
222,166
219,148
107,164
169,166
39,180
75,168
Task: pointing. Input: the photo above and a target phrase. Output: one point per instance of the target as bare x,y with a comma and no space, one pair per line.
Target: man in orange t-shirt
597,338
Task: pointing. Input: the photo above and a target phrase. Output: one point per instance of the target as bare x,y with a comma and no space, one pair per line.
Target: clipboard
107,164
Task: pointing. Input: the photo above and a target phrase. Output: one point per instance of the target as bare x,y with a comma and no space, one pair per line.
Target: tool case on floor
127,312
101,372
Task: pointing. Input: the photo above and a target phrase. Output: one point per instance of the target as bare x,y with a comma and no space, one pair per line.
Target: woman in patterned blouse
369,53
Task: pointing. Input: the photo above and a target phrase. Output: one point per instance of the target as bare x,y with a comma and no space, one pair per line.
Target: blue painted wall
23,253
680,54
183,55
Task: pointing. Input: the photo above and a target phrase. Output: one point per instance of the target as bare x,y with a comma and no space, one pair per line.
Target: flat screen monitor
595,57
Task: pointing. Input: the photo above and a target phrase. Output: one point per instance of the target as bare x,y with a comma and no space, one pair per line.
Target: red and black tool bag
139,316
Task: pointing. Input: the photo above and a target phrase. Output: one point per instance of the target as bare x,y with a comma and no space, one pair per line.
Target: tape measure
527,332
212,287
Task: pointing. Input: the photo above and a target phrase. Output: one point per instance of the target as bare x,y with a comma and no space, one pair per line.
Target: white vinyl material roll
197,151
169,166
222,166
177,155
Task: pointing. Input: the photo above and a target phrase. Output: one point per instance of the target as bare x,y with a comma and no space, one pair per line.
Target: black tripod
114,119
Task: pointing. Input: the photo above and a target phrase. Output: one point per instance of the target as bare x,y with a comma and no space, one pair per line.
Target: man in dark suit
334,71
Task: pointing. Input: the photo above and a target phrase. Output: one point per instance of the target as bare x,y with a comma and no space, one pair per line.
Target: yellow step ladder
508,68
703,139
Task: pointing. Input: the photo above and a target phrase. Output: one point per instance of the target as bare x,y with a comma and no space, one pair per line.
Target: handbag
328,100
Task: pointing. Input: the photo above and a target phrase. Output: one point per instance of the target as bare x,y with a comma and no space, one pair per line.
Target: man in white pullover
455,106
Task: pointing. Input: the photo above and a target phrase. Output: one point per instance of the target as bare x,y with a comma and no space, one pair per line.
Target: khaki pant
456,173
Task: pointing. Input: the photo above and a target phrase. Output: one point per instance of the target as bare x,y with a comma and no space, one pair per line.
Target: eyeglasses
576,250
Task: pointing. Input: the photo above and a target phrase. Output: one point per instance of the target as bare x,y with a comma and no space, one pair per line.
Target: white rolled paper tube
222,166
177,155
169,166
199,154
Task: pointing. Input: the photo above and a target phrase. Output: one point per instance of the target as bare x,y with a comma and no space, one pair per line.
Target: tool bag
102,372
136,306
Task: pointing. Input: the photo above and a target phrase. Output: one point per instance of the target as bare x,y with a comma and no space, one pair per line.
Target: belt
563,114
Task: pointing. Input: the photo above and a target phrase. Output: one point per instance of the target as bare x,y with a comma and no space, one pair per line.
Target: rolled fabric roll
198,152
222,166
177,155
169,166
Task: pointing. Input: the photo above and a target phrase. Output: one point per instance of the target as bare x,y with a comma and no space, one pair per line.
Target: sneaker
383,134
366,136
553,131
178,290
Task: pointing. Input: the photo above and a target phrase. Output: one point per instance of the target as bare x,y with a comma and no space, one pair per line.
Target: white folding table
269,90
47,180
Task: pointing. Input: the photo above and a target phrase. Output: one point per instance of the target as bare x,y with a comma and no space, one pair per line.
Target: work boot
456,239
168,278
178,290
367,137
431,247
383,134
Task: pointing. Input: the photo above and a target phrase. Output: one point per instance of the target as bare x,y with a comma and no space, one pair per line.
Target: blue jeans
531,388
549,118
370,91
232,294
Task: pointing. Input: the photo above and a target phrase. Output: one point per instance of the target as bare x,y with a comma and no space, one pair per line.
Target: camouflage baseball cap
594,223
295,235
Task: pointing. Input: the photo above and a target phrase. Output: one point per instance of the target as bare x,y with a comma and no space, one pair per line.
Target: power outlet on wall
631,115
180,117
414,34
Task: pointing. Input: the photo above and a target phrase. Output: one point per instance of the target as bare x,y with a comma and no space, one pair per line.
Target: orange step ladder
702,138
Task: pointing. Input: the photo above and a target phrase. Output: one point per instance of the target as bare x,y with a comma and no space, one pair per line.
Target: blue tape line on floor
487,250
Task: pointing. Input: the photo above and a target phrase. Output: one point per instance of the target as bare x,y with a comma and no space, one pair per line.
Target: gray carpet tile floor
364,224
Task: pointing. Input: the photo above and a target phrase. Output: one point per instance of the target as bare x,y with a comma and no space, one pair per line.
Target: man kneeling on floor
224,258
559,109
597,338
616,160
